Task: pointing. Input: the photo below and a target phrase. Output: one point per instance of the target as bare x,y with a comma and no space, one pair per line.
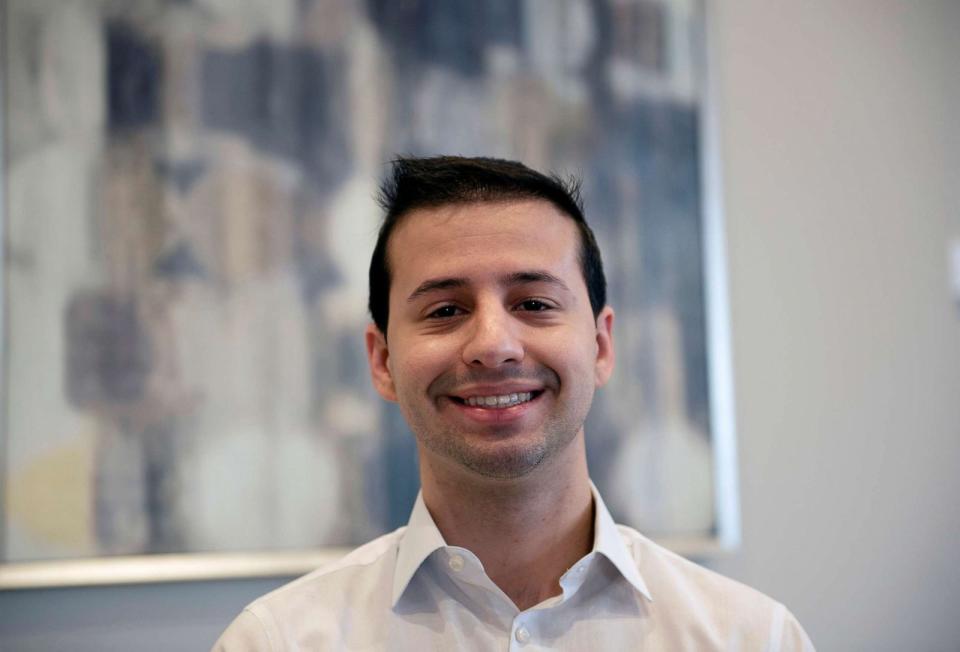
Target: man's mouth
499,401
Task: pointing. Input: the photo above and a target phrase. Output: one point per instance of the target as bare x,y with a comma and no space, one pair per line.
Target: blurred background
840,163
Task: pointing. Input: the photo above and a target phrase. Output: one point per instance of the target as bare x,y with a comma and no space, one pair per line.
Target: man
491,331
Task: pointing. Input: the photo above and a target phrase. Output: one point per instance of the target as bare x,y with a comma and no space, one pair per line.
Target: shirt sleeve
245,634
787,634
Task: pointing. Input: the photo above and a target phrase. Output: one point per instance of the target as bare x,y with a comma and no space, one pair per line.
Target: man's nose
493,339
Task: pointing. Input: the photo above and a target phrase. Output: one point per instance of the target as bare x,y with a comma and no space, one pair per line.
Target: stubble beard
512,456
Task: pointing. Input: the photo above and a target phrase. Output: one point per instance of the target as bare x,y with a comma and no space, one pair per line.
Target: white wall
840,136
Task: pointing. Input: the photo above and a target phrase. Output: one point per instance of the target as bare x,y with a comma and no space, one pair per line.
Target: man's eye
444,312
533,305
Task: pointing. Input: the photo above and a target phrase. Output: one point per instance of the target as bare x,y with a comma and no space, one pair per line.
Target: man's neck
527,532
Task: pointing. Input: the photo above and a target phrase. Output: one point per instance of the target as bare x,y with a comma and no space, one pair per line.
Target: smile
498,402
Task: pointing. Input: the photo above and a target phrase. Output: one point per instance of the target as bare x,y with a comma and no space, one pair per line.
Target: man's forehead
452,223
502,244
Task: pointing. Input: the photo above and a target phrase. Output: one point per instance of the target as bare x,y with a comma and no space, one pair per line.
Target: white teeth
502,401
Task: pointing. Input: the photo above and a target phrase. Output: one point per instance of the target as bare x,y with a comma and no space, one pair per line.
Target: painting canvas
189,217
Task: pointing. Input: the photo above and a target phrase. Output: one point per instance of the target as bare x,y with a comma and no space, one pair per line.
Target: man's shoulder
316,604
362,568
688,593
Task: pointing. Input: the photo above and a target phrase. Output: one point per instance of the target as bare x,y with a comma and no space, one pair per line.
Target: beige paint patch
52,497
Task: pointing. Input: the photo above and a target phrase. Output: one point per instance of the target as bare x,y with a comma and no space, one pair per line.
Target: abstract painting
189,217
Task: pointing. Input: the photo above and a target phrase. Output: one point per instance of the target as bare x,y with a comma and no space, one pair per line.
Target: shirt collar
422,537
419,540
608,542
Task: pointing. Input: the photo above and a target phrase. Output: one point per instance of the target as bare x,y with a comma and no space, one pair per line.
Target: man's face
492,350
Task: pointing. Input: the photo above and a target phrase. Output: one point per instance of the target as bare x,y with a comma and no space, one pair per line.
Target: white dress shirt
409,590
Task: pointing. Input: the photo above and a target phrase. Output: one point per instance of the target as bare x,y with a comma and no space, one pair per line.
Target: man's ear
378,356
603,368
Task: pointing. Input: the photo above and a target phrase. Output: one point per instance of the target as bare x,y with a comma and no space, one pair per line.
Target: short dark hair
443,180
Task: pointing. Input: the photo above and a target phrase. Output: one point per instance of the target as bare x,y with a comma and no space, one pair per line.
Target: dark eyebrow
517,278
435,284
534,276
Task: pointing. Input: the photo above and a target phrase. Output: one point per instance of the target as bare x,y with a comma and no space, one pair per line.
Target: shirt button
456,563
522,635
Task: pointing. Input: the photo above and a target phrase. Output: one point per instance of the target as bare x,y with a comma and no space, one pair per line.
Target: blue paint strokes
134,78
285,101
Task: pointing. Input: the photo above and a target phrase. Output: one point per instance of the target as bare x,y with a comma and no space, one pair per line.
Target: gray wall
841,155
840,129
161,618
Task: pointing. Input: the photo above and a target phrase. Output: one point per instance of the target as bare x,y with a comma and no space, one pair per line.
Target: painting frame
156,568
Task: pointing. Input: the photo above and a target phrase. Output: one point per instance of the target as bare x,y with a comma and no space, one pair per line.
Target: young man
491,331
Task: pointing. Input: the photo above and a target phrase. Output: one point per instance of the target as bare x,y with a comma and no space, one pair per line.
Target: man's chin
505,468
499,460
